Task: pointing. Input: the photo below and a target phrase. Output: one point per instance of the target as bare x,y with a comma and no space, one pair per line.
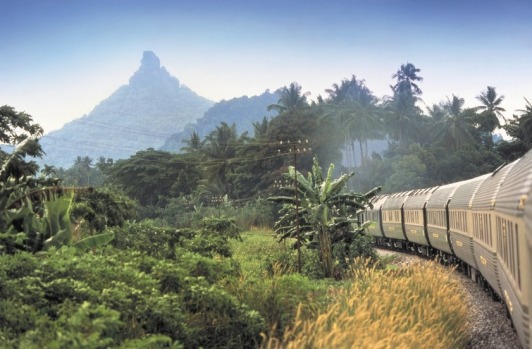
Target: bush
147,237
121,298
219,320
258,213
161,242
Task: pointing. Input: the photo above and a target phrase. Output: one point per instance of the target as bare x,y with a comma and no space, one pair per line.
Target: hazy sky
59,58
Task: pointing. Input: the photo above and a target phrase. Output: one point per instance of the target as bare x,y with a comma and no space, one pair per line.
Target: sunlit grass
418,307
254,251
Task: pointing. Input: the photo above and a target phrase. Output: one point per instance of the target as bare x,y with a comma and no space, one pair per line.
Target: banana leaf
94,241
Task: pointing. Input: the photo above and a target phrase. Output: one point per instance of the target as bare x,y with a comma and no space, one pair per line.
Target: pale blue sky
59,58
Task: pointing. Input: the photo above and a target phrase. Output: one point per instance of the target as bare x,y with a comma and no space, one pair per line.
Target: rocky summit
137,116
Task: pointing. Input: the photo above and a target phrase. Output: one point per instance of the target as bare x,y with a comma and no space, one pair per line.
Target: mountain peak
150,61
150,71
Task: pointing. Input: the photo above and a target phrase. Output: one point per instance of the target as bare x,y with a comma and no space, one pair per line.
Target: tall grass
418,307
268,282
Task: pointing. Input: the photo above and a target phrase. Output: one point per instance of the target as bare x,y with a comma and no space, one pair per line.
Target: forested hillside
242,111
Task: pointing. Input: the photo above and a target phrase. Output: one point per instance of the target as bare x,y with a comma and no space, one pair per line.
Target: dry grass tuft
421,306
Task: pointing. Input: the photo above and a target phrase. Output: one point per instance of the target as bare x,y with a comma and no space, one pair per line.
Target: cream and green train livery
484,224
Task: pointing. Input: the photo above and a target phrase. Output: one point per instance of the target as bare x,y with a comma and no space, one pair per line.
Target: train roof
515,188
396,200
442,194
465,192
489,188
378,201
418,197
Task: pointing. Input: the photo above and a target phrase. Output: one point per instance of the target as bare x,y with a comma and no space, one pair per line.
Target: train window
517,255
482,228
508,247
412,217
458,220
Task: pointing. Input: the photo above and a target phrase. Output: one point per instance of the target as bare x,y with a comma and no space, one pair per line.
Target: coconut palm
49,170
526,119
220,150
491,103
402,118
356,112
193,144
406,79
457,127
291,100
491,111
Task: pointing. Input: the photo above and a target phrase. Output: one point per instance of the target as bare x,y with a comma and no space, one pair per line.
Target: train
483,224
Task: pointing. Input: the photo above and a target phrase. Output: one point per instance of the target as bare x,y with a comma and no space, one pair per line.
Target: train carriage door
425,224
448,227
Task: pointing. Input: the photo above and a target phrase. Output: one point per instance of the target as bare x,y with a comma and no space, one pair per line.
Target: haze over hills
142,114
242,111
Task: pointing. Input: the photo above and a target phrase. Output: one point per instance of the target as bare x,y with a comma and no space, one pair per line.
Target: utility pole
295,148
217,200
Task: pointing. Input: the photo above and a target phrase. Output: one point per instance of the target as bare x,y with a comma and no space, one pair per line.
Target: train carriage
484,238
414,216
461,219
512,252
436,211
374,215
392,216
527,293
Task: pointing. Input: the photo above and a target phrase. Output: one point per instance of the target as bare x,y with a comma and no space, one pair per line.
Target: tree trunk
362,157
326,252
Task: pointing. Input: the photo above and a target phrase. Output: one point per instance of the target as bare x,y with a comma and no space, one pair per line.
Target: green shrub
223,227
258,213
219,320
211,270
141,300
79,326
361,247
147,237
17,317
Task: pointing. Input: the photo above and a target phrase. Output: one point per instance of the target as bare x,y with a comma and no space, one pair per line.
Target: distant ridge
142,114
242,111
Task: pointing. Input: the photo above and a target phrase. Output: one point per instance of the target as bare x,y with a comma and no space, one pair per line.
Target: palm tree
356,112
220,149
526,119
260,128
193,144
406,79
291,100
456,129
49,170
491,102
488,119
402,118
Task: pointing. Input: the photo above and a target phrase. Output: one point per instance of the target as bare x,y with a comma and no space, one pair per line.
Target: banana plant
35,212
321,212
